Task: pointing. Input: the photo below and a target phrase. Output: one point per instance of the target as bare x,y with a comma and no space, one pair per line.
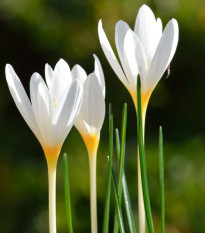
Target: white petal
93,106
157,37
79,73
159,27
130,59
99,73
110,55
48,74
61,80
145,28
44,114
80,126
21,99
164,54
121,29
35,80
135,57
67,112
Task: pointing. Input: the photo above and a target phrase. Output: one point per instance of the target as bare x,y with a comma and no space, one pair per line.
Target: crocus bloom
146,51
50,114
89,122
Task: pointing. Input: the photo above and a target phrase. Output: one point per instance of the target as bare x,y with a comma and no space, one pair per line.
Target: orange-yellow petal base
145,99
52,154
91,142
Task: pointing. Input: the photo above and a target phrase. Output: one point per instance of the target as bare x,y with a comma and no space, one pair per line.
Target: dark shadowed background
36,32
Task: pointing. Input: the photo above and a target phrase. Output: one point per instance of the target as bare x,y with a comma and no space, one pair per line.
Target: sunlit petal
110,55
61,79
159,29
130,59
48,74
79,124
145,28
67,111
136,57
79,73
93,106
35,80
121,29
99,74
164,54
21,99
44,114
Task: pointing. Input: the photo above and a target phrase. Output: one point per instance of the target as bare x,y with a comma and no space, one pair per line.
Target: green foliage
118,207
107,200
122,158
161,175
126,195
67,193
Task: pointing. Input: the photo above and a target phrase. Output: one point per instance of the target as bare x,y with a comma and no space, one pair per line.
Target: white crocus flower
89,122
50,114
146,51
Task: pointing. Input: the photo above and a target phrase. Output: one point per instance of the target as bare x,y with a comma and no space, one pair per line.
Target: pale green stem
93,193
142,217
52,198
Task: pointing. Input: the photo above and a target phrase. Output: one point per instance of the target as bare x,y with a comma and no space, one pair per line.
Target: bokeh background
36,32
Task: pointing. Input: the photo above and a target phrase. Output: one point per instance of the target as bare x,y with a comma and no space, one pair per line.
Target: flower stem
140,200
142,217
93,195
52,198
141,111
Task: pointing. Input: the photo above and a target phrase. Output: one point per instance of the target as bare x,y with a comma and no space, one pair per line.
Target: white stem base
93,194
142,222
142,217
52,198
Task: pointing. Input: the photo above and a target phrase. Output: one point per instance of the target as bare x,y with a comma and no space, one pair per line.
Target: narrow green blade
67,193
145,190
119,212
161,175
126,195
122,159
107,201
117,137
128,207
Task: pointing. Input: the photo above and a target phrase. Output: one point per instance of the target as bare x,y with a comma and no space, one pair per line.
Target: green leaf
145,190
122,159
161,175
117,137
128,207
126,195
67,193
107,201
119,212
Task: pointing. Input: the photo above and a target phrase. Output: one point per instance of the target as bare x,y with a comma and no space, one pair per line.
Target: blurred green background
35,32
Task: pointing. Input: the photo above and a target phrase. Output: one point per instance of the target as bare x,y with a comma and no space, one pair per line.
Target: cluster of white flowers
71,97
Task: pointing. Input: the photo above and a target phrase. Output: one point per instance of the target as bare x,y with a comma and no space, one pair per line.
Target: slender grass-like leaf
128,208
107,201
118,207
126,195
117,137
161,175
122,159
145,190
67,193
